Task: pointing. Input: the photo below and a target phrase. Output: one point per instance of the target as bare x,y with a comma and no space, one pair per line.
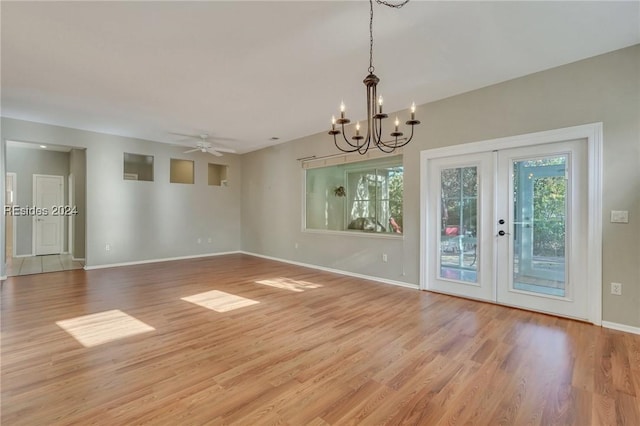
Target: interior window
217,175
363,196
181,171
138,167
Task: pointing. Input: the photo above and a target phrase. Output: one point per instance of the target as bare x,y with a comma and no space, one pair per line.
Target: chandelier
375,116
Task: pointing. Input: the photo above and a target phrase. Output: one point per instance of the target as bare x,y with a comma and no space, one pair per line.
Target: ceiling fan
203,145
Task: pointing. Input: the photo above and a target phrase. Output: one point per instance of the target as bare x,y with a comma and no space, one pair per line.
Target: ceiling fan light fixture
204,146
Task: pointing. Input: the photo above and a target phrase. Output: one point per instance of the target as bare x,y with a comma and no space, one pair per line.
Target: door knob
501,221
501,233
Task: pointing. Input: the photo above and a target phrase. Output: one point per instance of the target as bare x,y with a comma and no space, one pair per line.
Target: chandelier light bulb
397,123
333,122
413,111
357,128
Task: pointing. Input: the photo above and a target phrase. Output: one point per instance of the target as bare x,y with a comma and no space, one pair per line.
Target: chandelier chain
371,67
384,3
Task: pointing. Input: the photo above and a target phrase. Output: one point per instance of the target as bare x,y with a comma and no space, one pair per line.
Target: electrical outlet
616,288
199,240
107,247
296,245
384,257
210,240
619,216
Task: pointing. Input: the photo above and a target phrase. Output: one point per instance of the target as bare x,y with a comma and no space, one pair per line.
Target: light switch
619,216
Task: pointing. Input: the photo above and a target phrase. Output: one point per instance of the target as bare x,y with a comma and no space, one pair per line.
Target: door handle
502,233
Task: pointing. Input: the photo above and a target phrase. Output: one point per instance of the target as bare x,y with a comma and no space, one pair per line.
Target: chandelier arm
385,148
344,136
365,146
335,141
407,140
378,131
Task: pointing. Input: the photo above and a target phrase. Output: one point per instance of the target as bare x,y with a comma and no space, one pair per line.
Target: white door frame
14,189
592,133
34,217
70,221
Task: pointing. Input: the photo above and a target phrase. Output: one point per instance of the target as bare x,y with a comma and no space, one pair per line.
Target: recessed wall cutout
138,167
181,171
218,174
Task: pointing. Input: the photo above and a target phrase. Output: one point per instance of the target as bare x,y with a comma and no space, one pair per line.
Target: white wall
145,220
604,89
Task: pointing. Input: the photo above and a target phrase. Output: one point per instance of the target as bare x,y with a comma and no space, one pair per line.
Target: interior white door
510,226
48,228
459,230
541,246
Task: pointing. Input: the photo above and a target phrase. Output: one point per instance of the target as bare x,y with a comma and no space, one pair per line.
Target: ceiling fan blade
229,150
220,138
214,152
191,150
185,135
207,136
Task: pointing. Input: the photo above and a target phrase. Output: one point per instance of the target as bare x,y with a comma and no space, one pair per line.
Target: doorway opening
46,221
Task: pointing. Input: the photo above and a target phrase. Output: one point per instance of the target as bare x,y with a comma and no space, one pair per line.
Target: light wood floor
41,264
289,345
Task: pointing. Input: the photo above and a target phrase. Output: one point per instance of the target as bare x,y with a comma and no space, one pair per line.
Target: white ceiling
253,70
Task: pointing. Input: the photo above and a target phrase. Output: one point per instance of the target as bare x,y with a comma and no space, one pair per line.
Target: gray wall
25,162
77,167
145,220
605,88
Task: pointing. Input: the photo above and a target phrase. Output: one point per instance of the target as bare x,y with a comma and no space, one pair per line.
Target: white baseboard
335,271
3,278
621,327
23,255
166,259
77,259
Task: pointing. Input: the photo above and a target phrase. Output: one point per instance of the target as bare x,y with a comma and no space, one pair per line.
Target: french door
510,226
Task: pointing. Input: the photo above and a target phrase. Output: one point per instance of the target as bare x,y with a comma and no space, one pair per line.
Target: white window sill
382,235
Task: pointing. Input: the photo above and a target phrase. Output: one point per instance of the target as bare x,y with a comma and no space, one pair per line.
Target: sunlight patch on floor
219,301
103,327
288,284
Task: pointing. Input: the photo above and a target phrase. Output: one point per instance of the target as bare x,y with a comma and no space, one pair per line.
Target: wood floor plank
314,348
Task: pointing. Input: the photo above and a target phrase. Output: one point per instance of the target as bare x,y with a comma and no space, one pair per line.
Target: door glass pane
459,224
540,211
